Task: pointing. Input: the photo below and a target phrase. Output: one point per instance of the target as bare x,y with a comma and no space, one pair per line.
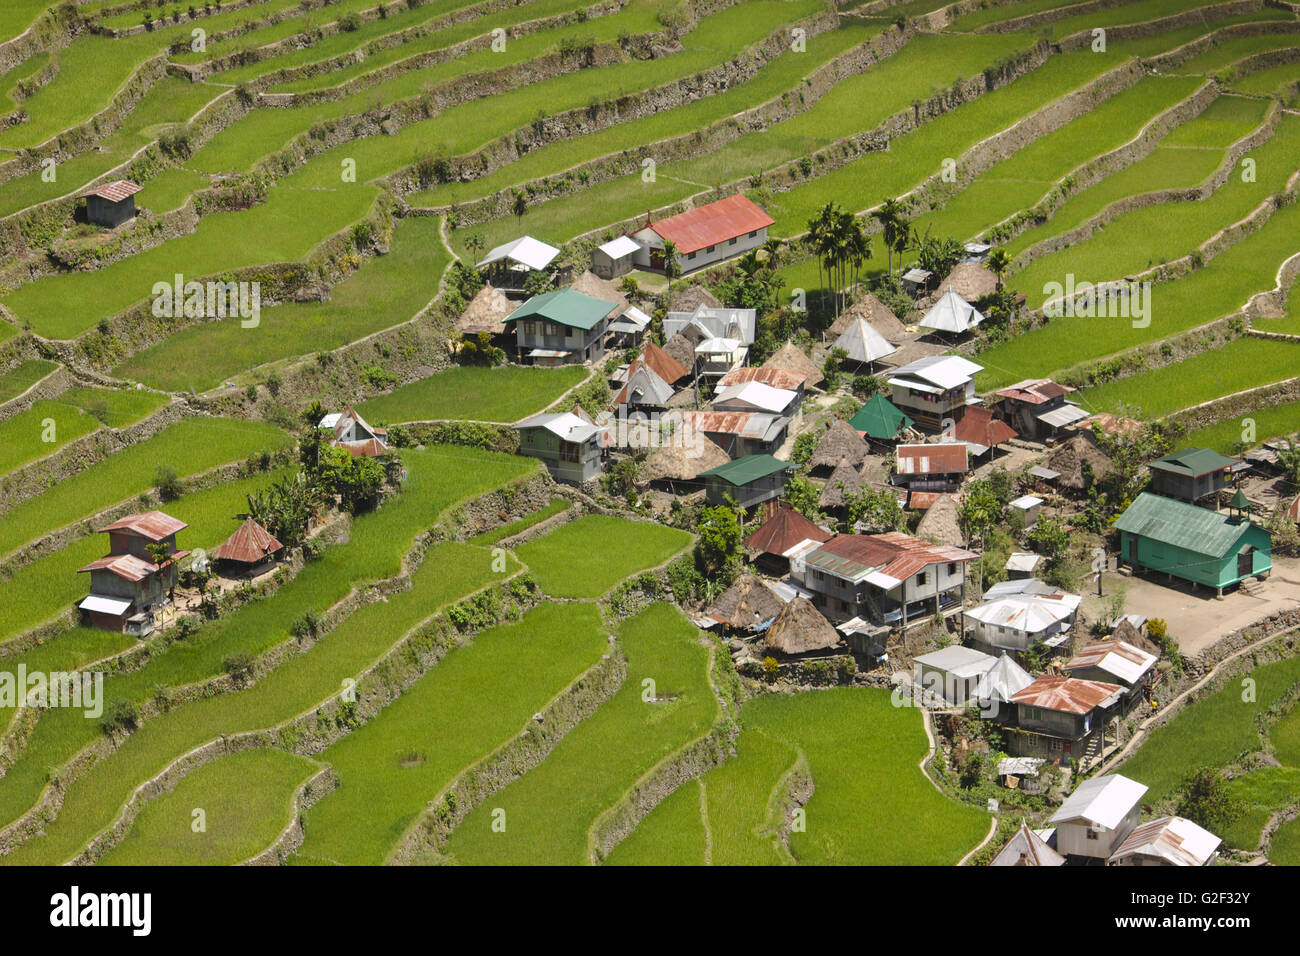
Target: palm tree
313,413
999,263
749,265
474,243
895,230
772,248
672,263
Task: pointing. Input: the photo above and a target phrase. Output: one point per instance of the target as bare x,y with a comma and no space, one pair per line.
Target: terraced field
343,157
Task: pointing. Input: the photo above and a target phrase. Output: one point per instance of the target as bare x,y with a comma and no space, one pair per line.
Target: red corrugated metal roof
250,544
154,525
711,224
874,550
663,364
923,500
944,458
115,191
130,567
1034,391
774,377
722,423
1067,694
980,427
783,531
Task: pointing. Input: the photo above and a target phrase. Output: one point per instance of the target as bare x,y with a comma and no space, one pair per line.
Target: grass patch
19,379
462,392
385,291
523,524
550,810
247,801
587,557
474,700
1279,421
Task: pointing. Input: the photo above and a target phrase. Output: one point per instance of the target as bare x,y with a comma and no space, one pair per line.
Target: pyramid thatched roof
799,629
840,442
746,604
970,280
678,462
593,285
844,479
486,312
790,356
941,525
1068,459
688,300
878,315
679,347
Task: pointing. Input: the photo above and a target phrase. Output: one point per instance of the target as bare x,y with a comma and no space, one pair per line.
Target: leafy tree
803,447
999,263
803,496
878,511
285,507
718,550
167,483
938,256
1203,799
1288,456
1049,538
831,369
981,507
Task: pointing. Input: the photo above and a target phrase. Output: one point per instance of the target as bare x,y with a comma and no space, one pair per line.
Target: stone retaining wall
1148,28
51,386
325,782
1176,57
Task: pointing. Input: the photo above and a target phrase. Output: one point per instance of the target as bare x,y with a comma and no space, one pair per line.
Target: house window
731,241
952,567
1093,834
920,579
690,255
710,249
753,234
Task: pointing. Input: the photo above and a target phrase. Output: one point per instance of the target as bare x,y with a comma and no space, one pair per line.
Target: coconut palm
999,263
895,230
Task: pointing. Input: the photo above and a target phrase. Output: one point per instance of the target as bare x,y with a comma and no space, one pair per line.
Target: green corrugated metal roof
744,470
566,307
1192,461
1239,500
880,418
1176,523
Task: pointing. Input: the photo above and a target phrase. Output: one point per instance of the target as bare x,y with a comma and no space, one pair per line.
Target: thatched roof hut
800,629
688,300
1068,459
790,356
593,285
841,442
970,280
878,315
679,347
746,604
845,479
941,523
678,462
486,312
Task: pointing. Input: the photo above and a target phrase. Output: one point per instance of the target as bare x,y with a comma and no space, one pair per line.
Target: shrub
121,715
168,483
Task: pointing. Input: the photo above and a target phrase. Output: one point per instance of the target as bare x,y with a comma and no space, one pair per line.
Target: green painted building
880,419
750,480
1212,548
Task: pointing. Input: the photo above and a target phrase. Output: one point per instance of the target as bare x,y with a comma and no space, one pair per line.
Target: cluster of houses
1099,825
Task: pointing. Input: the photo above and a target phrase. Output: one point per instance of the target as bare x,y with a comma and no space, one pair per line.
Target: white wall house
703,236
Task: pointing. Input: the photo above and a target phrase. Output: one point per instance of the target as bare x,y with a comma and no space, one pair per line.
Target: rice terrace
650,432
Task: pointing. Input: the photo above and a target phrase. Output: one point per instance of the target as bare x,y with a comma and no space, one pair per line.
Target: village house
885,579
980,431
916,280
1168,841
800,630
568,444
1037,409
951,315
1115,662
863,346
839,444
745,606
1190,475
719,338
738,433
1026,508
1022,565
954,674
252,550
1096,819
1027,848
111,204
1062,717
1014,622
1214,549
704,235
784,532
757,397
562,327
627,331
128,589
787,380
614,258
939,467
880,420
935,391
748,481
508,265
354,434
791,358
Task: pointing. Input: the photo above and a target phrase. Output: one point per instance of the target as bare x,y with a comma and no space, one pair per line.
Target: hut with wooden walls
251,549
